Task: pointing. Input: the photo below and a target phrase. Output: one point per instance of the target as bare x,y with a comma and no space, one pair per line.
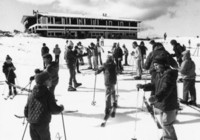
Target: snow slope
130,121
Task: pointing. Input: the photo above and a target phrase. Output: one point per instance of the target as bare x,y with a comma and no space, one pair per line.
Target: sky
175,17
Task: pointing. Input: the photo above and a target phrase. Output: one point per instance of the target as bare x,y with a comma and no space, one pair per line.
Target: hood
186,55
39,91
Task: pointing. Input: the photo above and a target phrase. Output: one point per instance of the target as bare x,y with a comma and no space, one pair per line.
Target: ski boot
70,88
77,85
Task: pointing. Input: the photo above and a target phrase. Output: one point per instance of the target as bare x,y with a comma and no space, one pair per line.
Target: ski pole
24,131
136,114
93,101
63,126
29,84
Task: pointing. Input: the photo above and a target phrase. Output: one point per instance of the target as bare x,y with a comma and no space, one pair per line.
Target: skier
187,70
8,70
138,58
178,49
77,52
110,76
40,106
44,50
125,55
152,42
94,49
99,48
165,36
71,58
89,52
102,41
143,49
165,98
158,50
118,56
57,52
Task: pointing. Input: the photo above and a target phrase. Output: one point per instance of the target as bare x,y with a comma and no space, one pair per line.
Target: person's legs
167,120
186,85
40,132
192,91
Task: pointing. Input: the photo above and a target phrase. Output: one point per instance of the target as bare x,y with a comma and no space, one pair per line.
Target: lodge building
80,26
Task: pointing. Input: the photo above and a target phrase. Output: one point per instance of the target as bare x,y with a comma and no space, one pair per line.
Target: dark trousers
10,87
100,59
110,98
40,132
77,65
57,58
72,75
189,88
125,58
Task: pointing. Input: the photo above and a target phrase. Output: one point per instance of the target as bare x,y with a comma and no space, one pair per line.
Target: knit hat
42,77
160,60
8,57
135,43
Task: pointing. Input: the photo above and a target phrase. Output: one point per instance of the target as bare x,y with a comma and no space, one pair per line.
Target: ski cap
8,57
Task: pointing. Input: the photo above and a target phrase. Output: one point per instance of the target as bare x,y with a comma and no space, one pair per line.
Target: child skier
187,71
8,70
40,106
110,76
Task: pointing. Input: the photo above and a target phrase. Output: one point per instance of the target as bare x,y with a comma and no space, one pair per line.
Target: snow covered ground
130,120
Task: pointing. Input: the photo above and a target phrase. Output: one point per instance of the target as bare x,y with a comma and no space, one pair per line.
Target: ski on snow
107,116
150,110
191,106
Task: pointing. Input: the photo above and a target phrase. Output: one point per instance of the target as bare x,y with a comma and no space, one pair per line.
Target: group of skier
160,63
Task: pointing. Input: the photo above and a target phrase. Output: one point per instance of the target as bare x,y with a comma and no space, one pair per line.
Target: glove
62,107
96,72
32,78
37,71
153,99
180,80
140,86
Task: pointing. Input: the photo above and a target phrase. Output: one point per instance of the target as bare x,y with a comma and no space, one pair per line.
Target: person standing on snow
165,98
178,49
138,59
110,77
187,71
40,106
57,52
125,55
44,50
71,57
8,70
94,49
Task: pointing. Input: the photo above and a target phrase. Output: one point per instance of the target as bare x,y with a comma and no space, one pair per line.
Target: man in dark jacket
118,57
44,50
40,106
178,49
8,70
71,57
165,97
110,76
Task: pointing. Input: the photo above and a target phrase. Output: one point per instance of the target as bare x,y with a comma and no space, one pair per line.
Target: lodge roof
49,14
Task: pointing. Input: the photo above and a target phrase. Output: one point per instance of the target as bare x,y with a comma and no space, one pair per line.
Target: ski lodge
80,26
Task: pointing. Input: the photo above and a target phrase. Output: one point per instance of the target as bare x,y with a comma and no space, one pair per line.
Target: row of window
85,21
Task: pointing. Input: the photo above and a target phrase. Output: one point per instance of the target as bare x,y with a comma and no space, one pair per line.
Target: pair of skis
10,97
